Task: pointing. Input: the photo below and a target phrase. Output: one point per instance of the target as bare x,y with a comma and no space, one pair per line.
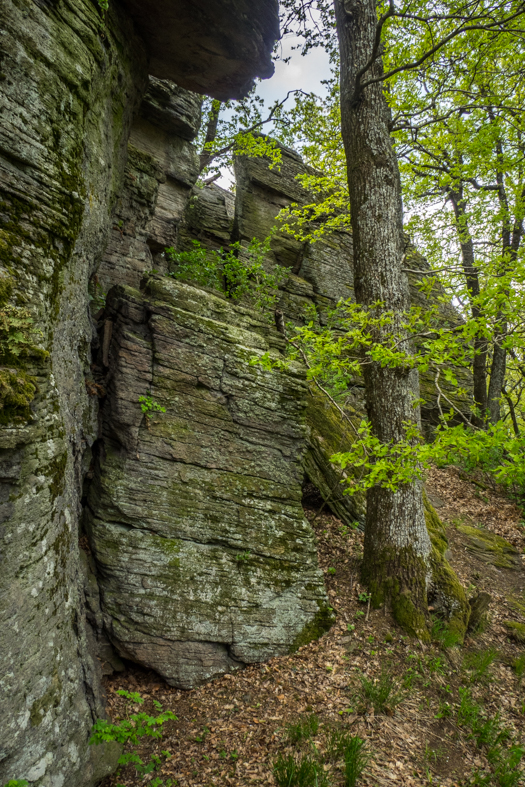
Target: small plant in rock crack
380,692
149,406
130,730
302,771
243,557
303,729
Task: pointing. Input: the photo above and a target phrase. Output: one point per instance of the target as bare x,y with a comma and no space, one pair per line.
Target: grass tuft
302,771
479,664
303,729
381,692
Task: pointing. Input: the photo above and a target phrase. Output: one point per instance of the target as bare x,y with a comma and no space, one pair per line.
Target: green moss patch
17,391
490,548
517,604
515,630
320,624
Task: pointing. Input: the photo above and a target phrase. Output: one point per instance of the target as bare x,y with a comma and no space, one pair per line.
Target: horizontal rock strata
204,557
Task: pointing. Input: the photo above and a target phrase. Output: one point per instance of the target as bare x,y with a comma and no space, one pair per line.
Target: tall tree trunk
498,370
397,552
479,364
510,241
211,134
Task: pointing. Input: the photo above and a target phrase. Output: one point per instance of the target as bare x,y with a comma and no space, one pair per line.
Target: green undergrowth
317,751
237,272
129,732
497,741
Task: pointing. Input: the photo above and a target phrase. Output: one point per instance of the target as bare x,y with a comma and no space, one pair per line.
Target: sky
301,72
305,73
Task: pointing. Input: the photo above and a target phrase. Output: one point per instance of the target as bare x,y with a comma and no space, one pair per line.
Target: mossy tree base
408,582
445,592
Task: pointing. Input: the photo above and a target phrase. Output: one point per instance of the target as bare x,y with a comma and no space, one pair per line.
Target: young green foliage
238,272
131,730
149,406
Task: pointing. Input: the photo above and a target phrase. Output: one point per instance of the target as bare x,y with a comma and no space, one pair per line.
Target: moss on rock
515,630
446,592
321,623
490,548
329,433
17,391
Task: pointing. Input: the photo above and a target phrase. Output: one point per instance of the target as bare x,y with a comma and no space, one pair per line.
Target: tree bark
397,545
211,134
479,363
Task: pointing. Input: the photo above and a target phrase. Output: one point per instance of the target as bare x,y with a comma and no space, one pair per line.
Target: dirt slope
436,722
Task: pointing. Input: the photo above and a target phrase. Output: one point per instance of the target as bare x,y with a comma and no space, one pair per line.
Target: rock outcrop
199,558
215,47
71,79
204,557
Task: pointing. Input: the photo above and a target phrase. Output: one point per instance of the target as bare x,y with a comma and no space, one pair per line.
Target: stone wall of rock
204,558
71,81
98,176
68,96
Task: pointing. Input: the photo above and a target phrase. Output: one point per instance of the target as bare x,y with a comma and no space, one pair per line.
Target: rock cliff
204,557
173,537
71,81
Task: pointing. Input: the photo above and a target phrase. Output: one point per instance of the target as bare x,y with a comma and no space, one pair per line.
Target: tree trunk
497,371
397,553
479,363
211,134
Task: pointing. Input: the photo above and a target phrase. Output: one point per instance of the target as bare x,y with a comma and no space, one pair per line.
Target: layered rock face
215,47
68,95
200,559
204,557
71,81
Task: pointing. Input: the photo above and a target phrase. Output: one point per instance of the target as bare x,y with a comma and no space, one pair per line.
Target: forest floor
429,715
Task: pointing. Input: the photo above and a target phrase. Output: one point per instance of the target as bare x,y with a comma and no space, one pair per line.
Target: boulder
204,558
490,548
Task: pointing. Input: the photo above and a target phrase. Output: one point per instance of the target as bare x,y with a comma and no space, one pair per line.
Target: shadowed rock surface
215,47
